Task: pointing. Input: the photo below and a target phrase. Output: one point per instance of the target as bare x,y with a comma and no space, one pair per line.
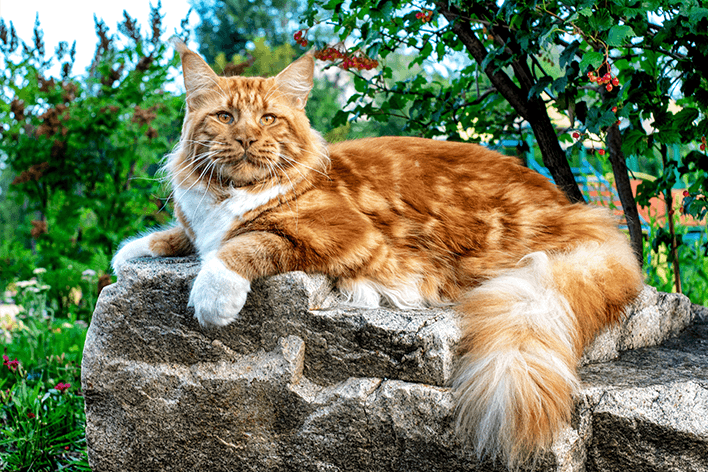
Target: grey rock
302,383
653,317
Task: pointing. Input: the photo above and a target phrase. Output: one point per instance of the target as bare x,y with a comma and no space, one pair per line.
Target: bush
83,151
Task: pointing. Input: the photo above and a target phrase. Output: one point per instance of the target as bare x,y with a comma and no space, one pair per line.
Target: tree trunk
532,110
624,189
554,157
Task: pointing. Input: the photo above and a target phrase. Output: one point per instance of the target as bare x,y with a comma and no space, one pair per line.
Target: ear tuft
296,80
197,73
178,44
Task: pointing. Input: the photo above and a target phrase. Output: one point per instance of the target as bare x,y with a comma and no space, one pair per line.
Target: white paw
132,250
218,294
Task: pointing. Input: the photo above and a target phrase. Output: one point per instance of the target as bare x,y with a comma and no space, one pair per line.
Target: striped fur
410,222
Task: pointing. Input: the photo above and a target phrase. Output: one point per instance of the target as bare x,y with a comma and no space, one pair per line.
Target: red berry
576,135
297,36
609,87
303,43
614,109
703,146
601,152
686,193
615,82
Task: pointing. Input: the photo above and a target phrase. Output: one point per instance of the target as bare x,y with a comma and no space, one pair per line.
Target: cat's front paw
218,294
132,249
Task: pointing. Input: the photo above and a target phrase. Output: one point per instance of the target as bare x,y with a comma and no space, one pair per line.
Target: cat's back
419,166
427,152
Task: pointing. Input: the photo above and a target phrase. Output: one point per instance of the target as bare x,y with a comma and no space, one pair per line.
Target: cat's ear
197,73
295,82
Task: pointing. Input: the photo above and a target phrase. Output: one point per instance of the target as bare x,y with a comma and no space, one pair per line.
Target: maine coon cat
407,221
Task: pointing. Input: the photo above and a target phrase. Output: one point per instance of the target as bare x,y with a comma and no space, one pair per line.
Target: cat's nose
246,142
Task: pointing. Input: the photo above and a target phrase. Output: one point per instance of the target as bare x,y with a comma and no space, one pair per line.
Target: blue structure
588,178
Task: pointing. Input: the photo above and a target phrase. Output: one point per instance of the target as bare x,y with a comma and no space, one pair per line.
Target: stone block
303,383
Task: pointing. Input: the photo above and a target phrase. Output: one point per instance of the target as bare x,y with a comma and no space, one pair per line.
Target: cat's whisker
276,176
321,152
194,169
204,142
304,177
197,180
208,187
292,188
295,164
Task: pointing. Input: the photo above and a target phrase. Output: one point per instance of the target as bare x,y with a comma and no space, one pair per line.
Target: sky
69,20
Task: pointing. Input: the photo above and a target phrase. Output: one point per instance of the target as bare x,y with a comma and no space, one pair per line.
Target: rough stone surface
301,383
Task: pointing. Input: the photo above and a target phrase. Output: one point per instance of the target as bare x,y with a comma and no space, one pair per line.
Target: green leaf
568,53
696,14
600,20
426,51
619,34
683,120
540,86
440,50
592,59
634,142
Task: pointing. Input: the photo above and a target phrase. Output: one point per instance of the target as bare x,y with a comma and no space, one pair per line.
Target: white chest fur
210,220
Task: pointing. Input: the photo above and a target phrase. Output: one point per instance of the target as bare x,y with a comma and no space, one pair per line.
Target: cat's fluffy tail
523,334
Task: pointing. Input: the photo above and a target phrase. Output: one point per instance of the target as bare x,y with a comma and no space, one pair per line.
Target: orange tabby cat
414,222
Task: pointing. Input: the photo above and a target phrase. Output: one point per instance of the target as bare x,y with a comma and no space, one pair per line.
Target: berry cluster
424,16
703,144
329,54
607,80
298,37
357,60
601,152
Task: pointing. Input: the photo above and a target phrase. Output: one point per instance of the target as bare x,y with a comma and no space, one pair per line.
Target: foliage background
80,153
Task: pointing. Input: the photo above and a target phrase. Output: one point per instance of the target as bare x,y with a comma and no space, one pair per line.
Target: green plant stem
672,230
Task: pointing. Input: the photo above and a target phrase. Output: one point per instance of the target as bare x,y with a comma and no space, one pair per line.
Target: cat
407,221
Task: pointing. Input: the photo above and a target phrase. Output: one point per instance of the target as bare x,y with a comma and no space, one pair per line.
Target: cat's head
246,131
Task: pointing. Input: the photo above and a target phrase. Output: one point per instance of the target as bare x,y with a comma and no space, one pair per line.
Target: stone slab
302,383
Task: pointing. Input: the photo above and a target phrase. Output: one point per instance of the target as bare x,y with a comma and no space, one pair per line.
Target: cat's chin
243,173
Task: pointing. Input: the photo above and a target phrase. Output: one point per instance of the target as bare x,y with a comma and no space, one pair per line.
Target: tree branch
624,189
532,109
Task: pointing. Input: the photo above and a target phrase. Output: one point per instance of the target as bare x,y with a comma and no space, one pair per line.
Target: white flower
88,274
9,321
39,270
26,283
10,311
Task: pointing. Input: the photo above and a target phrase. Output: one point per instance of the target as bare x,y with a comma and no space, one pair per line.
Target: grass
41,406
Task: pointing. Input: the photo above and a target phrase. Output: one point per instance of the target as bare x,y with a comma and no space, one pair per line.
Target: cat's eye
267,120
226,118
